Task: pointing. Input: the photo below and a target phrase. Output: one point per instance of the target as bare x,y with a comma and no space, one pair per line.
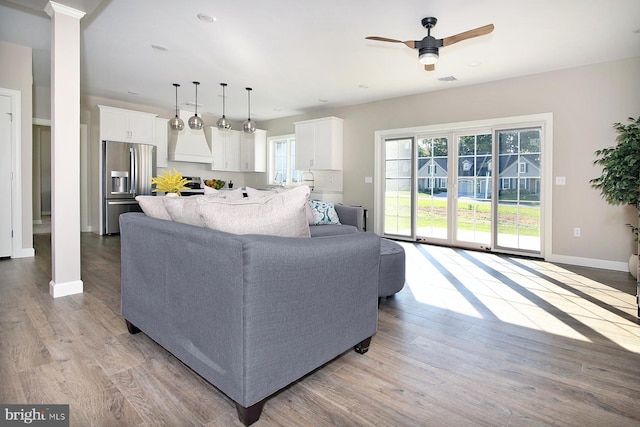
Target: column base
57,290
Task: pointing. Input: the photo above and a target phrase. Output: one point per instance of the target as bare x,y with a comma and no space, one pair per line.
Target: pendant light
195,122
176,123
223,123
248,126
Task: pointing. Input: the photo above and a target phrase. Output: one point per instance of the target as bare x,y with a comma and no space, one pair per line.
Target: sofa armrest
351,215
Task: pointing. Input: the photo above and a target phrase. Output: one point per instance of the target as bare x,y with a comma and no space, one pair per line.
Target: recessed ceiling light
206,18
159,47
323,100
363,87
130,92
474,64
447,79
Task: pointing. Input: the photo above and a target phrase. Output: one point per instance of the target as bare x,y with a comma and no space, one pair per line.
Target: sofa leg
133,329
363,346
250,415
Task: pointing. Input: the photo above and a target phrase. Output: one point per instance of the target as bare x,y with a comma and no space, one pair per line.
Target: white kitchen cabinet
253,151
225,148
118,124
319,144
161,139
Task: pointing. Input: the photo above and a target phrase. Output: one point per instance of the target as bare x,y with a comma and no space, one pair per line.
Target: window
431,169
523,167
282,156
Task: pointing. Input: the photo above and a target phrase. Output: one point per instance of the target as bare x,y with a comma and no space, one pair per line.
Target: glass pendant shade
248,126
176,123
223,123
196,122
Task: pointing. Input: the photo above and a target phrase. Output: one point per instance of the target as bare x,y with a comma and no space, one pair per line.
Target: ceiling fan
428,47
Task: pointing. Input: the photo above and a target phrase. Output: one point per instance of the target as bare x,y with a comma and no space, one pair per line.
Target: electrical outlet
576,232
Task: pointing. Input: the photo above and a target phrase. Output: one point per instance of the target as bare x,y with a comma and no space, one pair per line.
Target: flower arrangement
170,182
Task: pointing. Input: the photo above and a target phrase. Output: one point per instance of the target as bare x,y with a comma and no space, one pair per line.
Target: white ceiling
299,56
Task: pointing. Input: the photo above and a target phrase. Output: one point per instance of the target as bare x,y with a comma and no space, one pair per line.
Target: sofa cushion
331,230
323,213
153,206
282,214
185,209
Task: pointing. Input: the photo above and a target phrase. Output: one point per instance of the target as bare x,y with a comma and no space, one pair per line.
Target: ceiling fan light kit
428,47
196,122
176,123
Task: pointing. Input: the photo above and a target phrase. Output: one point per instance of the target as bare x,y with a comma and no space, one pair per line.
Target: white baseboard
57,290
24,253
589,262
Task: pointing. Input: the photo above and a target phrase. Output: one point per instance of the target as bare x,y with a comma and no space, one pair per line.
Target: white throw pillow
281,214
209,191
237,194
185,209
252,192
153,207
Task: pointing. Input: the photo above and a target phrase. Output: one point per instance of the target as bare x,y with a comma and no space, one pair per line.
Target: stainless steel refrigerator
127,172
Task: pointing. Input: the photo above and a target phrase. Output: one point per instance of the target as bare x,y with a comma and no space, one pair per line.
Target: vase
172,195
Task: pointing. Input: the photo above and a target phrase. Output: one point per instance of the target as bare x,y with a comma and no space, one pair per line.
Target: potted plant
171,183
619,183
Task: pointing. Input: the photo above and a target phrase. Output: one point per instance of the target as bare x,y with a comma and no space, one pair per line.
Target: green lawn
472,215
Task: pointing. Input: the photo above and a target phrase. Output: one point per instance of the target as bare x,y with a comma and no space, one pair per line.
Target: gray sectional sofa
250,313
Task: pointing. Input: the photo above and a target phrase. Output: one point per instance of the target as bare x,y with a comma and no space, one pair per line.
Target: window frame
291,172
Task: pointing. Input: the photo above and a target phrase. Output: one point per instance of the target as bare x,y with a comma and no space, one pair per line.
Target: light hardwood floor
473,339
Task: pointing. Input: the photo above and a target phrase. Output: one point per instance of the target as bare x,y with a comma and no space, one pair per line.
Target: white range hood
189,145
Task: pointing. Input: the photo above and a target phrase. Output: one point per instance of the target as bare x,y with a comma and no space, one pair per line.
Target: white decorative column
65,150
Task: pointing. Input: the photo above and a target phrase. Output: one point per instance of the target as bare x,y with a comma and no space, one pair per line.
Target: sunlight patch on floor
527,293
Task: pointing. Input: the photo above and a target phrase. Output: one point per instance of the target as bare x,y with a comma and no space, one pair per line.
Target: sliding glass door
432,182
440,188
518,224
474,189
398,187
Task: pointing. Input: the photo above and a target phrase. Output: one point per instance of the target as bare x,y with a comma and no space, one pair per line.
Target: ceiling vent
447,79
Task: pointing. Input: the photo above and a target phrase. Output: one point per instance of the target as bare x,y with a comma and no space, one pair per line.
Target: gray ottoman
392,268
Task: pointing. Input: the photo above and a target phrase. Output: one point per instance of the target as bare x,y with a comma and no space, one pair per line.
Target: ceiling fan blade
480,31
430,67
409,43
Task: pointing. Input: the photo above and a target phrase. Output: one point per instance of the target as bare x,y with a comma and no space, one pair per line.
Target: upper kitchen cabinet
161,141
319,144
117,124
237,151
225,148
253,151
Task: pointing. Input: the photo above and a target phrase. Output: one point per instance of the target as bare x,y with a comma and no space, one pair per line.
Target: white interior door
5,176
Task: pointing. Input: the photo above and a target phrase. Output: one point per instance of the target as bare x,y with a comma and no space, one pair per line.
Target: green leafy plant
170,182
619,183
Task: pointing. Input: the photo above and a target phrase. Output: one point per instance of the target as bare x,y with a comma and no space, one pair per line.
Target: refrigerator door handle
133,161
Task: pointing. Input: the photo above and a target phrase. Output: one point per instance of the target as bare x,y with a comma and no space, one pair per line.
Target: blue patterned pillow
323,213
